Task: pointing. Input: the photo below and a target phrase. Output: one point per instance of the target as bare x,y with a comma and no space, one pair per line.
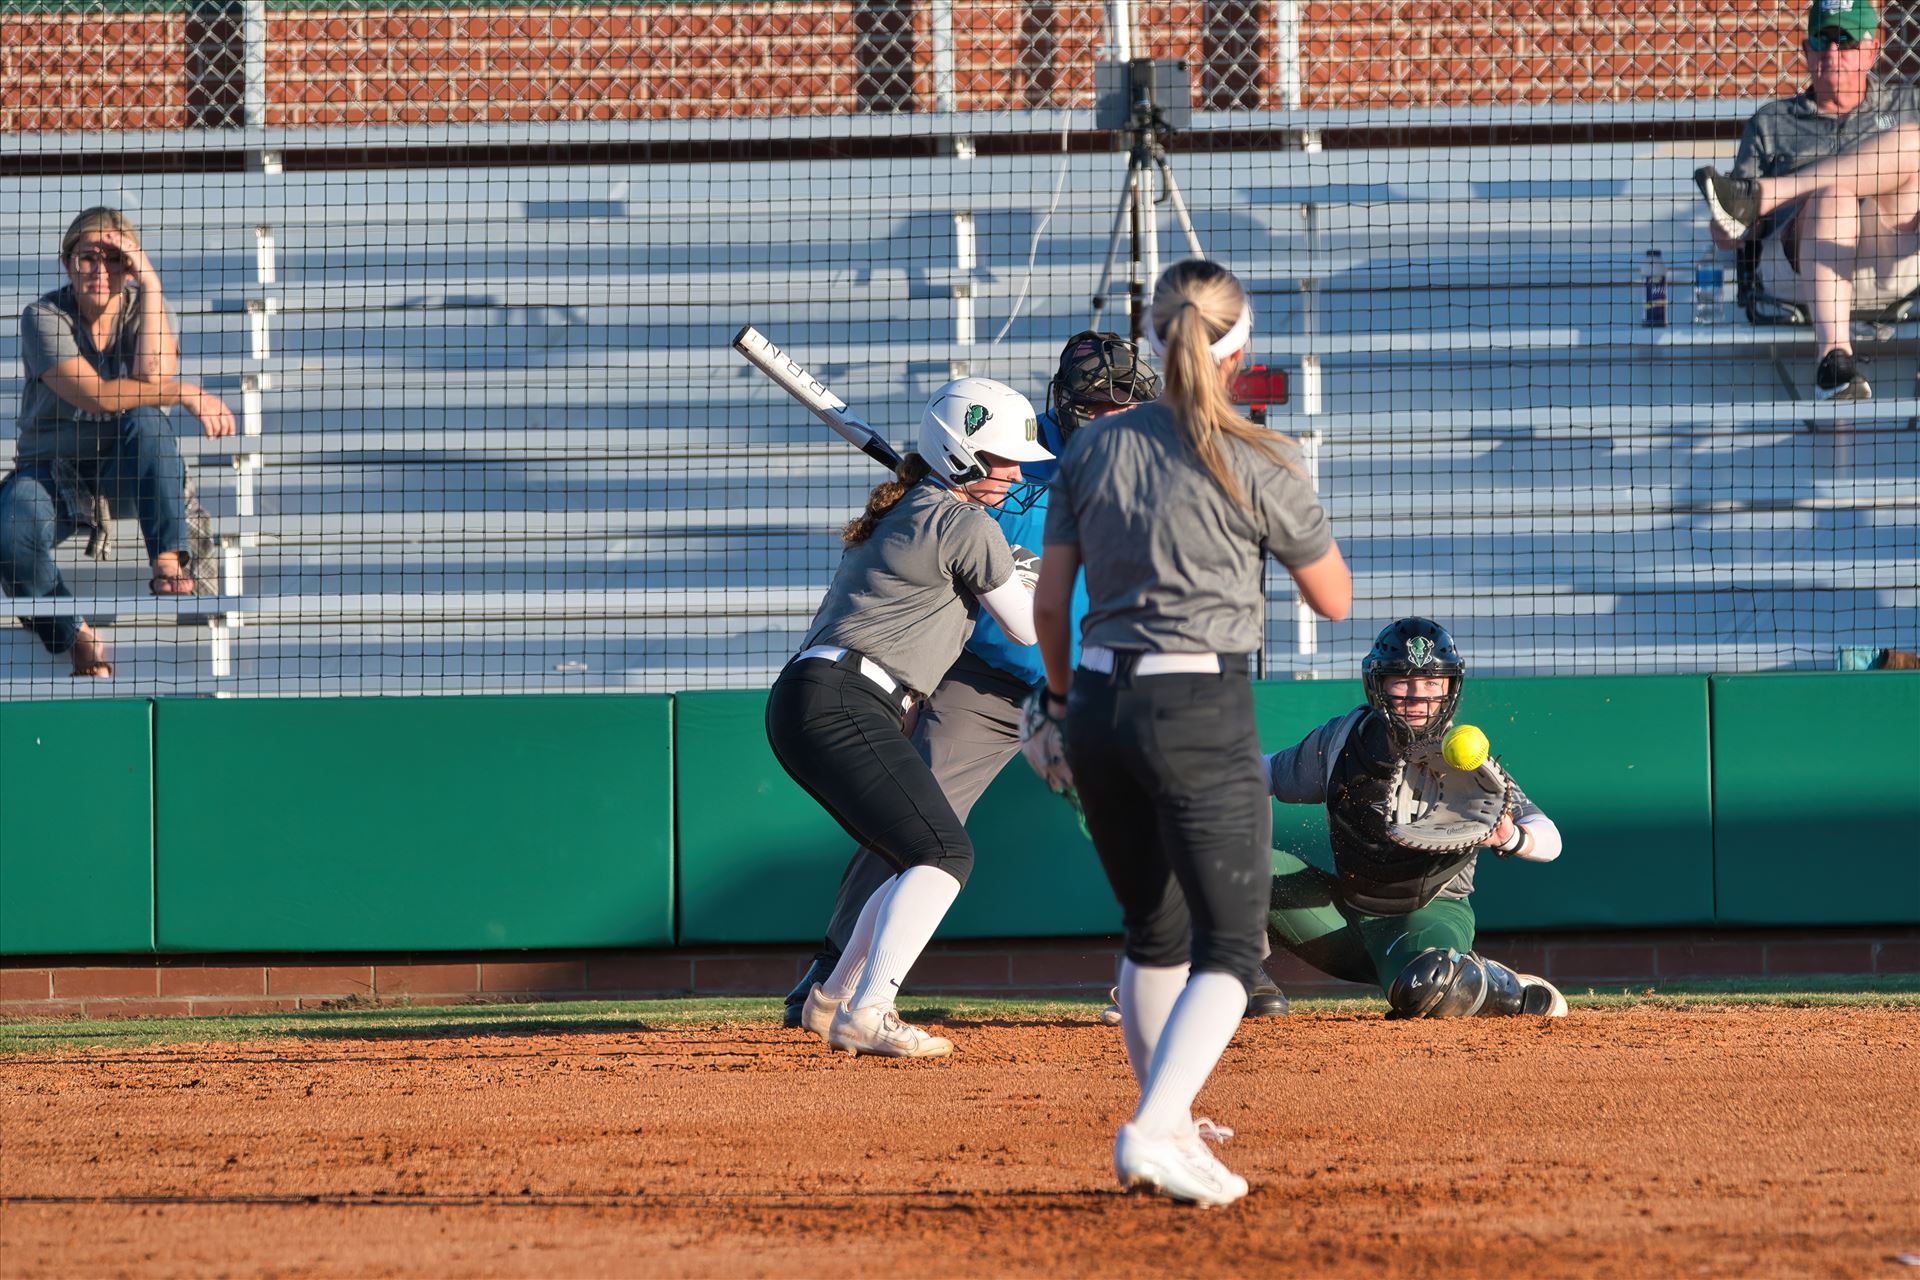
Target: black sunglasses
1832,38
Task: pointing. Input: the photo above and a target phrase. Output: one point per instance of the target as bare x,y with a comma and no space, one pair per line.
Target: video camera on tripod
1147,100
1142,93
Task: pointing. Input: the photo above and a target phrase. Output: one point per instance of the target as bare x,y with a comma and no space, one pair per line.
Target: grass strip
350,1020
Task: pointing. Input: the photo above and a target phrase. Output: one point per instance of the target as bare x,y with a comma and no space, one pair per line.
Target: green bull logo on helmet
976,418
1419,651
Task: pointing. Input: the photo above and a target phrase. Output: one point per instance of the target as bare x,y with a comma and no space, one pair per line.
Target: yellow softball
1464,747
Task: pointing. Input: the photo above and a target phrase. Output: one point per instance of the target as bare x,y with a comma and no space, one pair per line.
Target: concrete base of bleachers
211,986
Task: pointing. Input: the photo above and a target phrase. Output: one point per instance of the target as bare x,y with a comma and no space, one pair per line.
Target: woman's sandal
89,657
171,584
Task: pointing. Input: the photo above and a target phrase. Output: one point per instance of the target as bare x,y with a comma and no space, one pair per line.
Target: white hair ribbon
1234,339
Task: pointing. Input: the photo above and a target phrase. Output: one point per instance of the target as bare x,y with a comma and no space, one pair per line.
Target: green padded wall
1620,765
367,824
76,827
760,861
1817,797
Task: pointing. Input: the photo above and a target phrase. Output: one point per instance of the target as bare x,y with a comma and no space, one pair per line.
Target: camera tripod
1147,132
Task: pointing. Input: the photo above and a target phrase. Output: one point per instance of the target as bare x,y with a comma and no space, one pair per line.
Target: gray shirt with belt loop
907,596
1173,564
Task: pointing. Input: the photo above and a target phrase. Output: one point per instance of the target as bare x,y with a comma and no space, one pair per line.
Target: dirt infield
1695,1142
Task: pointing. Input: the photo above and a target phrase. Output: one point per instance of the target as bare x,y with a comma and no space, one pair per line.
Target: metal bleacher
497,440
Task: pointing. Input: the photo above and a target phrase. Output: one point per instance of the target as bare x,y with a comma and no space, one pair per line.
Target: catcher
1406,830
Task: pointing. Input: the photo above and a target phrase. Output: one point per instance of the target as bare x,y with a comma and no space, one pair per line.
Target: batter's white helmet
972,416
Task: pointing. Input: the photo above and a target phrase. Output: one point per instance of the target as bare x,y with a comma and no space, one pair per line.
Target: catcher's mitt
1437,808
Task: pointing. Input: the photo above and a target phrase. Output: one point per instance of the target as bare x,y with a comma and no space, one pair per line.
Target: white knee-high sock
1147,994
901,931
1197,1032
853,961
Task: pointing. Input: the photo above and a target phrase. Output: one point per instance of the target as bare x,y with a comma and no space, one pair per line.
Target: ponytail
913,469
1195,305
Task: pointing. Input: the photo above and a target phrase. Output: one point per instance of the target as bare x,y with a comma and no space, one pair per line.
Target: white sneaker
1178,1167
877,1030
816,1015
1556,1004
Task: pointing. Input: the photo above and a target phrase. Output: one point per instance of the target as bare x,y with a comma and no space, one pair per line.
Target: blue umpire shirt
1025,529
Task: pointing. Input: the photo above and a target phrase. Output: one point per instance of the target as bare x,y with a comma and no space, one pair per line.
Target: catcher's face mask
1099,374
1418,700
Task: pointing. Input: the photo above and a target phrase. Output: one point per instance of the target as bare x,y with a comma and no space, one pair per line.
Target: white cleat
1179,1166
877,1030
1556,1003
816,1015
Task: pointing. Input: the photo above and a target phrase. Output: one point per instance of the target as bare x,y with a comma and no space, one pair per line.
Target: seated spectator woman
101,370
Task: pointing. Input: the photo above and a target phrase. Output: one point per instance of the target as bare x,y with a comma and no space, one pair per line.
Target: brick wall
1075,967
1416,53
372,66
71,72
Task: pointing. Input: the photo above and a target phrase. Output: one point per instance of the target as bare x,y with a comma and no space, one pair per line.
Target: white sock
1146,998
901,930
853,961
1197,1032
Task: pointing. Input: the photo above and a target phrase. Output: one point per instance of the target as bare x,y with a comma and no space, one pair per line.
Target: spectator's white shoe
1178,1166
1734,203
816,1015
877,1030
1838,378
1552,1003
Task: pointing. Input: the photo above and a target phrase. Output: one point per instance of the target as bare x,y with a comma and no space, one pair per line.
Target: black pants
838,736
1168,769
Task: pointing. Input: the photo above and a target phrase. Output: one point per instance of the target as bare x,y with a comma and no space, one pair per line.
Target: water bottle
1708,307
1655,274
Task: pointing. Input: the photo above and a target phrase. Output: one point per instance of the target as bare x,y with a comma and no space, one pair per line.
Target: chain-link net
466,278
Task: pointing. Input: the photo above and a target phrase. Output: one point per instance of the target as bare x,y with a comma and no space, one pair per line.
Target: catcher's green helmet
1414,647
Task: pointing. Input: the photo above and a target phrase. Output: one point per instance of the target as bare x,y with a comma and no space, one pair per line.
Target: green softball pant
1307,920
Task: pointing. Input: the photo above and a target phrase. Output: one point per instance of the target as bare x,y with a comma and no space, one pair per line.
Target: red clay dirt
1732,1142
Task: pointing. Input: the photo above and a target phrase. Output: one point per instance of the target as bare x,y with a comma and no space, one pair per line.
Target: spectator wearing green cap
1825,191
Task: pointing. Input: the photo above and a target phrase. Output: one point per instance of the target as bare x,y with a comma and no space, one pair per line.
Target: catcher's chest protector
1377,876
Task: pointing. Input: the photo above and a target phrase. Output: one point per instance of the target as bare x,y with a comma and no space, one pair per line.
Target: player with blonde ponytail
1169,507
1194,299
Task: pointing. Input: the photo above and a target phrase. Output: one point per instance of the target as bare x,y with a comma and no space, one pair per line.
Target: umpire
1169,508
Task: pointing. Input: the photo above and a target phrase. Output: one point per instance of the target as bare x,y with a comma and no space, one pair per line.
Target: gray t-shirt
906,597
52,332
1172,562
1790,134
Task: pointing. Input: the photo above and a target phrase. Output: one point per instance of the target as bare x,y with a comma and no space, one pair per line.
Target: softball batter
1391,915
920,563
1170,507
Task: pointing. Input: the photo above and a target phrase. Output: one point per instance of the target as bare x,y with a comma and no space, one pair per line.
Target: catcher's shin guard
1444,983
1441,983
